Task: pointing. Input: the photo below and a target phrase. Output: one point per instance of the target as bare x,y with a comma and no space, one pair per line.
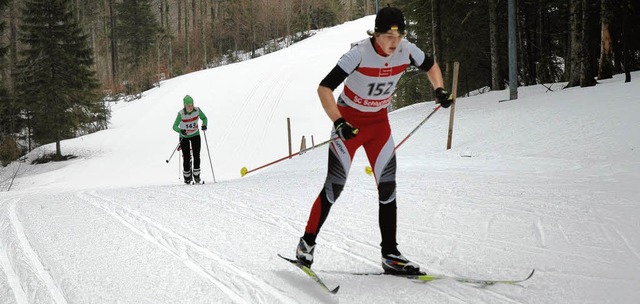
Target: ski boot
187,177
396,263
196,176
304,253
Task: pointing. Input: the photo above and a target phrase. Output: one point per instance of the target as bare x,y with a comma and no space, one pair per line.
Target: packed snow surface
548,181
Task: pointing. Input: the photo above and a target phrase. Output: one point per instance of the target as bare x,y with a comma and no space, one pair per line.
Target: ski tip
530,275
335,290
517,281
288,259
243,171
521,280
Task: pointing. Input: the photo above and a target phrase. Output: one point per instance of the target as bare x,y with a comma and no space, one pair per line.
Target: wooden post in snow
289,135
454,92
303,144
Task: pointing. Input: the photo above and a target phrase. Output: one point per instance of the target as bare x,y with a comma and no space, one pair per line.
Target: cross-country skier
370,72
187,125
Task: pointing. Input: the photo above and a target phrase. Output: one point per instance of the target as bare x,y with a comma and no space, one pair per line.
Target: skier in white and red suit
370,71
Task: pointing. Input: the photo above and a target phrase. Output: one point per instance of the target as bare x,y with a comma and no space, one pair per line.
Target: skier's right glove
344,129
183,132
443,97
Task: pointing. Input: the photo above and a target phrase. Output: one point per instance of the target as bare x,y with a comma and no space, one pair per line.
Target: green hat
187,100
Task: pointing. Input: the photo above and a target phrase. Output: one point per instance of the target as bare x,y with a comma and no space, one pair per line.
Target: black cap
389,18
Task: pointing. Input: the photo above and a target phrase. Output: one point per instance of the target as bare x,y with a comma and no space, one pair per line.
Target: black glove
443,97
344,129
183,132
204,128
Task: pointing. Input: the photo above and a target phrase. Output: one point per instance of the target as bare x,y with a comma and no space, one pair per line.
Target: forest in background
574,41
122,48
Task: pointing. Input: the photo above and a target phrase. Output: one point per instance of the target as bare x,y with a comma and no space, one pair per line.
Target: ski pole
418,127
454,94
210,163
14,175
174,151
244,170
368,169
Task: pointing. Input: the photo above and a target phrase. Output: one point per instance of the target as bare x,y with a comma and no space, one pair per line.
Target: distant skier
370,71
187,125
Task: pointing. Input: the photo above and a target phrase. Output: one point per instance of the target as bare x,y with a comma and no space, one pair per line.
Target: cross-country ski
312,274
433,277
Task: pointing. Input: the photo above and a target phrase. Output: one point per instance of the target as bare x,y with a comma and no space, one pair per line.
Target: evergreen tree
4,96
3,49
464,37
137,32
414,86
55,80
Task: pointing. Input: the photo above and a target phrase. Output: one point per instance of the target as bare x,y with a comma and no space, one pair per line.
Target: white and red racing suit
371,78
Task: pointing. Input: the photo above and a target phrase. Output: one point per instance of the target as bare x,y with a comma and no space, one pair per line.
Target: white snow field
548,181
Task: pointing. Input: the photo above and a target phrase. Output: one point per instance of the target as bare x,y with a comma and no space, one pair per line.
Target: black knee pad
386,191
332,191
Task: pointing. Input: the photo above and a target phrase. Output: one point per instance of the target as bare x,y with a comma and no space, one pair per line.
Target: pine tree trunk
187,41
605,64
252,25
195,30
589,69
162,14
166,16
575,32
625,40
13,44
437,31
58,150
545,57
203,20
528,48
194,13
168,36
180,33
496,74
114,44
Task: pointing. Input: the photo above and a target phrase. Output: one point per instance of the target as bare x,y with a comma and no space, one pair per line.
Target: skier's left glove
443,97
344,129
204,128
183,132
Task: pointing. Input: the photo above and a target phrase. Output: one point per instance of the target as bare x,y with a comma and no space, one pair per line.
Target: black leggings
193,144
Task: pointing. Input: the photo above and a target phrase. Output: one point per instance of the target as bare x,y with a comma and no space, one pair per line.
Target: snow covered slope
548,181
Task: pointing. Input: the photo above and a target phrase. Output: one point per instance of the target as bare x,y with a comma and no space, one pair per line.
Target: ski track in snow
6,291
541,249
461,294
293,224
343,244
462,238
201,260
30,281
541,235
235,207
13,291
627,244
